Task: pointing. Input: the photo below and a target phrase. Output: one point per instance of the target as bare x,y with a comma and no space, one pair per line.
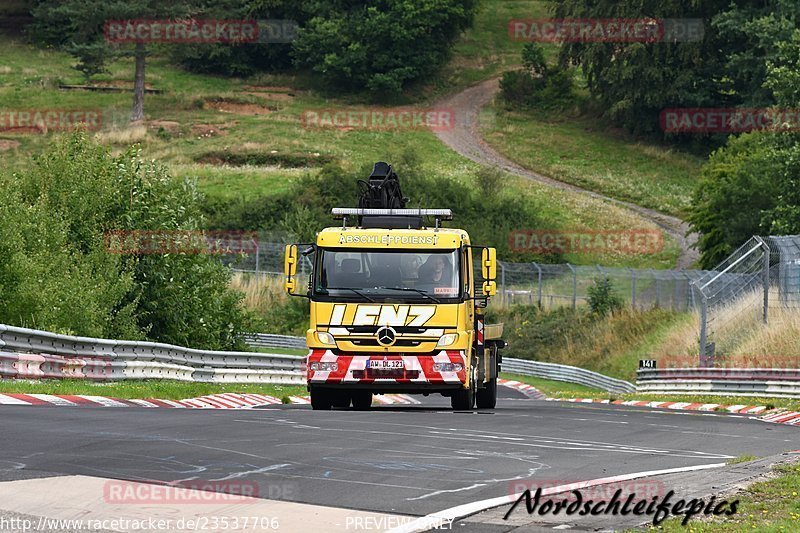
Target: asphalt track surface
409,460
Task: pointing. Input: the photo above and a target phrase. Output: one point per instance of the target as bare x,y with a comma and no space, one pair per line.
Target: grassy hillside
577,149
611,345
199,121
485,50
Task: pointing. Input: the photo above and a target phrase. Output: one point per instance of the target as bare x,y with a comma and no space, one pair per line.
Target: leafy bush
290,160
537,85
611,344
602,299
380,46
56,272
488,211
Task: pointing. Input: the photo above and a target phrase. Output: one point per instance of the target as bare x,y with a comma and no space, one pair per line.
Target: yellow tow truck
397,305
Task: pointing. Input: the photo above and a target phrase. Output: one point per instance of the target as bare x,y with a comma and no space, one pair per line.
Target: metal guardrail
570,374
771,382
29,353
267,340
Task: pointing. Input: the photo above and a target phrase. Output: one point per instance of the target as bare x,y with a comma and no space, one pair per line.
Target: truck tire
341,399
462,400
321,400
487,397
362,400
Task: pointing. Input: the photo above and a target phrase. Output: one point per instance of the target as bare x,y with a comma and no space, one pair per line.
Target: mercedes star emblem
386,336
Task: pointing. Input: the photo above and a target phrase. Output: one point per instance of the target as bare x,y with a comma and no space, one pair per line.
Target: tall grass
741,338
260,290
274,311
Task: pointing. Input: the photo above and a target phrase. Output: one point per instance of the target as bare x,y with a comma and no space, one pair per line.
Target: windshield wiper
355,291
409,289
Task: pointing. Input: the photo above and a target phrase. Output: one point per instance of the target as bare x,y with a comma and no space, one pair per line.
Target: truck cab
397,307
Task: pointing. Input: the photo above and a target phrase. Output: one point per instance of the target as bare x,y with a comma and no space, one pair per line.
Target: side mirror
489,288
489,264
290,268
489,267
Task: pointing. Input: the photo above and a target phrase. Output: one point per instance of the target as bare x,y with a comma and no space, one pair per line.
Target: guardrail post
574,287
539,285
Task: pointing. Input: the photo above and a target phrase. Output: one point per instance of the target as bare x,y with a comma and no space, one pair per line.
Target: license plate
385,364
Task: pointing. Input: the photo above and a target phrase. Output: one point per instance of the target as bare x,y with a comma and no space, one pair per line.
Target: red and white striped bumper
417,369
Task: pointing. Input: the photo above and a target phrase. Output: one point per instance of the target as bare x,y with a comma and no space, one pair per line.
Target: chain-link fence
736,297
545,285
730,300
549,286
266,258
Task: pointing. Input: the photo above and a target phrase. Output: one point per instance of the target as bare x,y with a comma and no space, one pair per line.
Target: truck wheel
321,400
487,397
362,400
462,400
341,399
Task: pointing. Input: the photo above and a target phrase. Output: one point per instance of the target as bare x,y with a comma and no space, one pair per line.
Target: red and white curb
529,390
777,416
211,401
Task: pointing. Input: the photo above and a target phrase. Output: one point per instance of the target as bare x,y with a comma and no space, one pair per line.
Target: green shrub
537,85
56,272
602,299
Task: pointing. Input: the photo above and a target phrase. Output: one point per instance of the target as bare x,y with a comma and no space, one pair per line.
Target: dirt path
466,139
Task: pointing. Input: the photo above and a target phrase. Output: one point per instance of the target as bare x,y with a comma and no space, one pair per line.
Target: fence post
687,291
257,256
703,328
658,288
765,281
574,287
503,283
539,285
676,292
633,288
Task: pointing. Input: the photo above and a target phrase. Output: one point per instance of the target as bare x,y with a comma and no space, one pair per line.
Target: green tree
78,27
380,46
242,59
752,185
634,82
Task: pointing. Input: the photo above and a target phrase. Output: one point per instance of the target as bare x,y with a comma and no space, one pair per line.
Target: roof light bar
443,214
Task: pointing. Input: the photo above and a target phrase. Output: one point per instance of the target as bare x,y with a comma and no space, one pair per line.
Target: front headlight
325,338
447,340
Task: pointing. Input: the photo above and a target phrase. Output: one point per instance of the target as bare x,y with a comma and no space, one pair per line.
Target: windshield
396,275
